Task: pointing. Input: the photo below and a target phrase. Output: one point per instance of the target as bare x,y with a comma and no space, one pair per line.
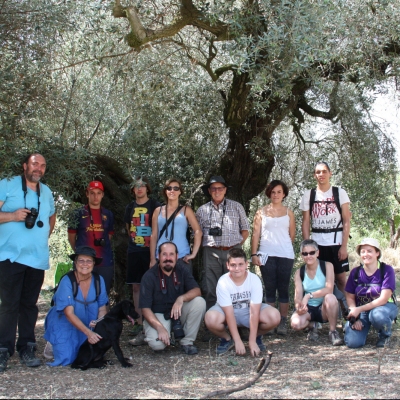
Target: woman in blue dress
68,323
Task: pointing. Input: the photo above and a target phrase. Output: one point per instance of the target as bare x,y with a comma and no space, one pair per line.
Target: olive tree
268,59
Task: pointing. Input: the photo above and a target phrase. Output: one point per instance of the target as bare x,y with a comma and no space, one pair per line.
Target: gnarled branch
188,15
331,114
261,368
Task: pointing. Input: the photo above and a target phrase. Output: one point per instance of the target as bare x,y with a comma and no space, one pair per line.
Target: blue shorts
242,315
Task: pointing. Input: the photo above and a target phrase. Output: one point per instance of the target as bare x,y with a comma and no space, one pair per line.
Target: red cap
95,185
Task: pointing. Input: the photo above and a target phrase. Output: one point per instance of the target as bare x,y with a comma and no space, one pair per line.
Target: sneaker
282,328
335,338
139,340
260,343
4,356
382,341
48,351
27,356
313,334
136,329
189,349
224,346
207,336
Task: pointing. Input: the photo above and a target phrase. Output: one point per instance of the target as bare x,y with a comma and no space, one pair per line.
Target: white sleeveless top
275,239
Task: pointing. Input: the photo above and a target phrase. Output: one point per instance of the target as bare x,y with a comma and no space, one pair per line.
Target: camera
176,326
215,231
31,218
100,242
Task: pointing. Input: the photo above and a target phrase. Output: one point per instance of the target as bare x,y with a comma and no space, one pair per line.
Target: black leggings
276,275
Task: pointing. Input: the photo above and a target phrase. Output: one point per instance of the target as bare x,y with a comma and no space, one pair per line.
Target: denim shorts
242,315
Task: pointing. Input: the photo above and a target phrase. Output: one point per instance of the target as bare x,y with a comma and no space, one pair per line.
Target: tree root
261,368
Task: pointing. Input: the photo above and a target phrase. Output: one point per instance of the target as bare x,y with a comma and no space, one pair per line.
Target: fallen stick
261,368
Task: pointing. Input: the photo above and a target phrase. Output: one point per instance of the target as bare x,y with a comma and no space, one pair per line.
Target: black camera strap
163,283
211,212
92,222
25,190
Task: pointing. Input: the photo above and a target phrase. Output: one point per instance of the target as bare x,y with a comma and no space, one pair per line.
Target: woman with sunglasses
369,294
170,224
314,299
274,229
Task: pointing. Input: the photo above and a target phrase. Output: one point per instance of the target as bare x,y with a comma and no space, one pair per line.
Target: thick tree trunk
249,159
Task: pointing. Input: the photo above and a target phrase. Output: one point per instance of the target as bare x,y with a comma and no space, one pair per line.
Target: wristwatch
311,295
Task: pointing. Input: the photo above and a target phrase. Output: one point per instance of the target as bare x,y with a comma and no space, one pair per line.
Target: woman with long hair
170,224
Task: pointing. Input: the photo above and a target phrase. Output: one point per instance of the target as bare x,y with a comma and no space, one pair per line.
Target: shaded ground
298,369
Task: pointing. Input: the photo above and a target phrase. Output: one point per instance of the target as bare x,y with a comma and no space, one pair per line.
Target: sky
387,109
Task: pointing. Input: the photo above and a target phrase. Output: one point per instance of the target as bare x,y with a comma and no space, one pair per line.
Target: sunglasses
310,253
217,189
174,188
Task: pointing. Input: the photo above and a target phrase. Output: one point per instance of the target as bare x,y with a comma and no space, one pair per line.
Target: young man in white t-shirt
239,303
329,229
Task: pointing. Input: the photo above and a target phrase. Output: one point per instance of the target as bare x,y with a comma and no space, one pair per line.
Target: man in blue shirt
27,218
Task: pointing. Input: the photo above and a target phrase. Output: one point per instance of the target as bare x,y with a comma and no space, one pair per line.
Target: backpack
335,192
338,294
72,278
382,270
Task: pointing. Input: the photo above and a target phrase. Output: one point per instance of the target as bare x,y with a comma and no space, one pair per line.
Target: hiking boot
136,330
383,342
260,343
207,336
27,356
313,334
189,349
139,340
4,356
224,346
48,351
282,328
335,338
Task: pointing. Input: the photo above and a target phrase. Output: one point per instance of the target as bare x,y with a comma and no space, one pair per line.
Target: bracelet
254,255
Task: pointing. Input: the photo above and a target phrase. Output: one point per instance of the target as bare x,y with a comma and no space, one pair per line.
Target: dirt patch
298,369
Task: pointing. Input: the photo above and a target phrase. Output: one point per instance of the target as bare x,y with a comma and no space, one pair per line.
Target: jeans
380,318
19,291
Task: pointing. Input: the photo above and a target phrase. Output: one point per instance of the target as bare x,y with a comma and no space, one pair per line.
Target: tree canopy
244,89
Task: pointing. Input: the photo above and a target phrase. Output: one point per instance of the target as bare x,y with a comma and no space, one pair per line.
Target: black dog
110,329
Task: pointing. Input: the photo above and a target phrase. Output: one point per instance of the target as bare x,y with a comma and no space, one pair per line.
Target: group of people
159,268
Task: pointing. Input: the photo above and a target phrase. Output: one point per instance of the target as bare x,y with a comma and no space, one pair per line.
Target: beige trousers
192,315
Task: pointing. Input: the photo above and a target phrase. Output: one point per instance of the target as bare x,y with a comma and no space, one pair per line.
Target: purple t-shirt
365,294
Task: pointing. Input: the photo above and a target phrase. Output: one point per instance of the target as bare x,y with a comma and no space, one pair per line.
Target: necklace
82,280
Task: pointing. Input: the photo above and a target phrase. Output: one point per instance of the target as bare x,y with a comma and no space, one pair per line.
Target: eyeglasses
82,262
310,253
217,189
174,188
